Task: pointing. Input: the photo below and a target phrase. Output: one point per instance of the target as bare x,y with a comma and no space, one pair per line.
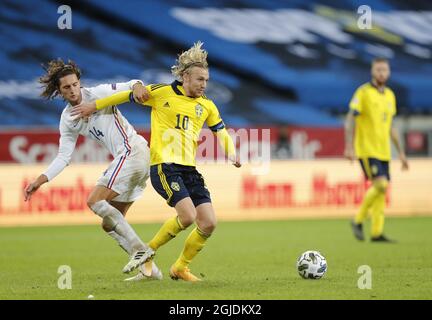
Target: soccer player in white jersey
124,180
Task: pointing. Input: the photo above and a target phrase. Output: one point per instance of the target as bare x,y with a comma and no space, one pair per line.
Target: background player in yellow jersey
369,122
179,111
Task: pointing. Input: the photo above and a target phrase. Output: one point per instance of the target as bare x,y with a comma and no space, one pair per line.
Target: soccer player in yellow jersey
179,111
368,130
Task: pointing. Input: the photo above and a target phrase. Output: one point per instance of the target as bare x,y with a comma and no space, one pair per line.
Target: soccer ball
311,265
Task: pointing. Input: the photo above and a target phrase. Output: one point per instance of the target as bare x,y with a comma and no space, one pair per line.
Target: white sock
113,218
121,241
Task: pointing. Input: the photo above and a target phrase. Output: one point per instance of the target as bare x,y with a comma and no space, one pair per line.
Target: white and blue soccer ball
311,265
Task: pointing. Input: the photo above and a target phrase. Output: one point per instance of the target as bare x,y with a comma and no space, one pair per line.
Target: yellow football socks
193,244
168,231
370,197
377,213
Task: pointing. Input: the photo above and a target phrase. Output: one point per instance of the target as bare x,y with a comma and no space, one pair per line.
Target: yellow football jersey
176,123
374,114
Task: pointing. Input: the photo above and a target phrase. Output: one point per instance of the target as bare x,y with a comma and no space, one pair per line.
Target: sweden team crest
198,110
175,186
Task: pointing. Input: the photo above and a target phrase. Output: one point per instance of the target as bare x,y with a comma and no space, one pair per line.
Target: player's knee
101,208
96,199
96,204
209,227
90,204
186,212
186,219
381,185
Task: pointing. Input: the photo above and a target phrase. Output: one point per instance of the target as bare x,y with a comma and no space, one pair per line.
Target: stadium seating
304,74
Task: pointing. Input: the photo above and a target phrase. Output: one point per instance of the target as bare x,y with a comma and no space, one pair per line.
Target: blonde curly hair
194,57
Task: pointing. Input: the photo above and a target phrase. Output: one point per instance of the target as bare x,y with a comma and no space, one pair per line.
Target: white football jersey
107,127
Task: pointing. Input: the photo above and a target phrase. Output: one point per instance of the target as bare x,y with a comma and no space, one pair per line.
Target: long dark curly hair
54,71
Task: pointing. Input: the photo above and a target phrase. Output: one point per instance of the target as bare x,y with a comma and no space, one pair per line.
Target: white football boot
138,258
147,271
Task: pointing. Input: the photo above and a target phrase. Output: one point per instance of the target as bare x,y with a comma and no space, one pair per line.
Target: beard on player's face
380,73
381,79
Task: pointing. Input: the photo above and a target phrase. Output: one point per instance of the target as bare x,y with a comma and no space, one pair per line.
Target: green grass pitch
242,260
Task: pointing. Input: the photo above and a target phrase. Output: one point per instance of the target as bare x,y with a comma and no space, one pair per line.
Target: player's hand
140,93
30,189
404,161
83,110
349,153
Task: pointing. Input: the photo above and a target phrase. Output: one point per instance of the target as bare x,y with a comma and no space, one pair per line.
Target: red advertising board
36,146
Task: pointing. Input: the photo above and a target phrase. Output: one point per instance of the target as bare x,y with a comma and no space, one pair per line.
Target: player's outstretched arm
395,138
138,94
32,187
85,109
67,143
228,146
349,136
